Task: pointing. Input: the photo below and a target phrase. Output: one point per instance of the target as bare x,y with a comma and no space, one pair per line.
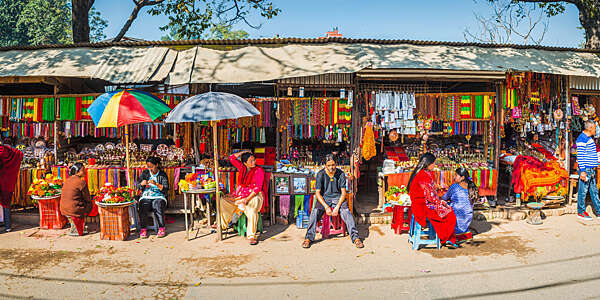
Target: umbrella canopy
126,107
212,106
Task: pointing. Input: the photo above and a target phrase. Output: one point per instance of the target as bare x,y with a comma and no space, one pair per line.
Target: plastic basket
114,222
50,217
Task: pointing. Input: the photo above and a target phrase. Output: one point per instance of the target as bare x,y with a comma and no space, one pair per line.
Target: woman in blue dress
461,195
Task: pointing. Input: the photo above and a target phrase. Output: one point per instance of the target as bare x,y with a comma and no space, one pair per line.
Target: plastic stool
398,219
331,226
241,226
416,233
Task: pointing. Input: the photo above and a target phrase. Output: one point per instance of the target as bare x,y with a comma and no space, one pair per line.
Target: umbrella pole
127,153
216,158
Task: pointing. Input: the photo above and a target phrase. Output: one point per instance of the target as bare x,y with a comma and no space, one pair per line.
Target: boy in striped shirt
587,160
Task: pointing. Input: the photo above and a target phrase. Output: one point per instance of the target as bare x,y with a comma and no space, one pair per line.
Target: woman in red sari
426,203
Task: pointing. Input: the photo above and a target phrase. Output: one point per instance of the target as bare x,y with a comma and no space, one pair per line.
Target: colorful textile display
45,130
530,173
465,107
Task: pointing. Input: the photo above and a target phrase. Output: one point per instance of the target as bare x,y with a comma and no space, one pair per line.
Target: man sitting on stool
331,192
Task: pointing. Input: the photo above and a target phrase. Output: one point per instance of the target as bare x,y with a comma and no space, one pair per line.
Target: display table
114,220
485,179
50,216
194,196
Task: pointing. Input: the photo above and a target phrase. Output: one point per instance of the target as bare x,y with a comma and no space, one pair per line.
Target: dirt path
507,256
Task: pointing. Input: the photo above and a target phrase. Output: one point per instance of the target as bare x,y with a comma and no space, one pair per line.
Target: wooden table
195,202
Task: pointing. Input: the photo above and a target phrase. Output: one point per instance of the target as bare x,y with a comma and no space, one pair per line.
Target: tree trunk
81,23
591,25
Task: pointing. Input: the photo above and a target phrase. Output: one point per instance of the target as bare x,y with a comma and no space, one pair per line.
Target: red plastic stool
399,221
331,226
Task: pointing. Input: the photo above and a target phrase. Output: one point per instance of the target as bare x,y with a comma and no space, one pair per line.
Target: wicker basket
50,217
114,221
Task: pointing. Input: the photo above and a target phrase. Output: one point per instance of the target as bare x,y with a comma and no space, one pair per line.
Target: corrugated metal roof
253,63
114,64
284,41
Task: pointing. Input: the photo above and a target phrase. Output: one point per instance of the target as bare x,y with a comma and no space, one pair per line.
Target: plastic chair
135,219
416,232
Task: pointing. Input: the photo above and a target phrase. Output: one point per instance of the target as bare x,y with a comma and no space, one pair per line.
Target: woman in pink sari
248,196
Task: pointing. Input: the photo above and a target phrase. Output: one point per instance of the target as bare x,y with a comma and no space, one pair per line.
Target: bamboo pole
216,158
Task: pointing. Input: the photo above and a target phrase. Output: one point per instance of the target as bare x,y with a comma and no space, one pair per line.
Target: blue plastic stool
416,233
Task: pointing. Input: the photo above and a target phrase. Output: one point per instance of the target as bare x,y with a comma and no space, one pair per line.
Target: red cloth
79,224
253,178
10,163
528,162
539,148
444,227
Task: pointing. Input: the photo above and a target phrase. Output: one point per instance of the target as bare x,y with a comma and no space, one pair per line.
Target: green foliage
8,23
97,26
46,22
190,19
37,22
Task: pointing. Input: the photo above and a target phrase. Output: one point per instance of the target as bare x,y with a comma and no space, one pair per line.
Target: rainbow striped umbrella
124,107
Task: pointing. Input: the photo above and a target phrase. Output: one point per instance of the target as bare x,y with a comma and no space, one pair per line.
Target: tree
520,23
8,23
187,18
216,32
45,22
35,22
589,16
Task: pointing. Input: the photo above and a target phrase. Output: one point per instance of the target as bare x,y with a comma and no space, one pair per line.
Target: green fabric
479,107
241,225
298,204
49,109
67,108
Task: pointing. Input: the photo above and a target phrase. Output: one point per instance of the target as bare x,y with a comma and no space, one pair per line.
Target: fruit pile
45,187
196,181
111,194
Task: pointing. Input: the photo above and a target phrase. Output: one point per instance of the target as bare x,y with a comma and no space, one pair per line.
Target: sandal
161,233
306,243
451,245
144,233
253,241
358,243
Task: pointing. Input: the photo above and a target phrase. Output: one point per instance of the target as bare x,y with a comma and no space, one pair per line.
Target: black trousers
156,206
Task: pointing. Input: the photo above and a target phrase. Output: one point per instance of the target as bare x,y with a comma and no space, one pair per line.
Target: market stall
458,128
309,129
533,130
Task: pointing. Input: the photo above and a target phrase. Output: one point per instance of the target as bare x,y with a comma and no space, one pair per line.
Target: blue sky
440,20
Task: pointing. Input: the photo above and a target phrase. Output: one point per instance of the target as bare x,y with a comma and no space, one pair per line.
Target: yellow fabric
110,114
252,210
532,179
486,107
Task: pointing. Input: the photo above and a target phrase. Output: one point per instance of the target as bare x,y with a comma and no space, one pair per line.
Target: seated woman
462,195
154,184
75,201
248,194
425,203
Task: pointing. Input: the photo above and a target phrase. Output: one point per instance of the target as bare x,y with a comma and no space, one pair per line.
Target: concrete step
500,212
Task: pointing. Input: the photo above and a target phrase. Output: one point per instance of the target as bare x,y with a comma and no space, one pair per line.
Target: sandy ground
559,259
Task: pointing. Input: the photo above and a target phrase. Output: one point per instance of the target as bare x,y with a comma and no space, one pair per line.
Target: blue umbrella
212,106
